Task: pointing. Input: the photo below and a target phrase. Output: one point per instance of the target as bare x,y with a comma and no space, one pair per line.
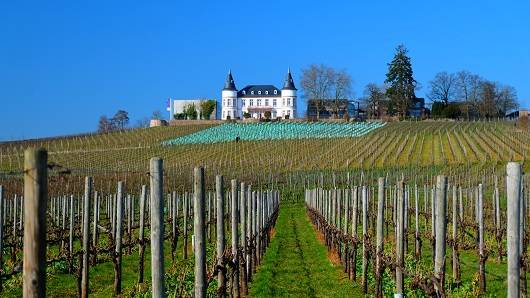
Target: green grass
296,263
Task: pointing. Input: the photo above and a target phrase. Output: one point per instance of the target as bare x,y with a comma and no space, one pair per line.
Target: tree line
464,94
119,121
453,95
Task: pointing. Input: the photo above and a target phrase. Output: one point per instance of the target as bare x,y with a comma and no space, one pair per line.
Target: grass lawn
296,263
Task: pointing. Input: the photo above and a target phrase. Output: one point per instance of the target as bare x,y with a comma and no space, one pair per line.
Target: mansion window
259,102
288,101
234,102
274,100
242,102
283,101
275,91
251,102
267,102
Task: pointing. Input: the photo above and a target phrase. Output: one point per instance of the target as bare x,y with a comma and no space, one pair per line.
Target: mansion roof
259,91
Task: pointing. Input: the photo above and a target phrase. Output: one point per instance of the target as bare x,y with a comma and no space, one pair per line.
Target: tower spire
289,83
230,84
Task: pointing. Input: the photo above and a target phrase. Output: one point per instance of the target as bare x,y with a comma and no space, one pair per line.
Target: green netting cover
275,131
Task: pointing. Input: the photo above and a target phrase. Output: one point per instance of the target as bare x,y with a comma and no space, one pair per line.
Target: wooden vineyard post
242,216
235,240
258,227
221,275
141,240
441,226
2,218
71,236
399,239
345,232
174,222
157,226
118,240
86,237
417,242
498,232
254,233
513,191
36,197
482,256
456,263
249,233
365,240
199,231
185,208
380,236
95,228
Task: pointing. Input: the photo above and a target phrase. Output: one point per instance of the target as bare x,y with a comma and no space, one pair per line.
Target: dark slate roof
289,83
247,91
230,84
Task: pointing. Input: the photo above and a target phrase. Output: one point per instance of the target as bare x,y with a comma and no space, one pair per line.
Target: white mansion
258,99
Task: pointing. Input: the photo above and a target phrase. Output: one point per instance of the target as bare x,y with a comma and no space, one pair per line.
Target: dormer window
275,91
267,92
252,92
244,92
259,92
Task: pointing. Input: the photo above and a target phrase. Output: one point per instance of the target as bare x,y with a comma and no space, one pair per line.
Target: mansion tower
257,100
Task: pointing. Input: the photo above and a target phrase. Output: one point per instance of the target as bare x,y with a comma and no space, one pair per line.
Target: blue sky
65,63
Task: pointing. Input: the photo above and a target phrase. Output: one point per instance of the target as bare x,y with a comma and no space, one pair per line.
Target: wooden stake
86,237
199,231
36,196
157,226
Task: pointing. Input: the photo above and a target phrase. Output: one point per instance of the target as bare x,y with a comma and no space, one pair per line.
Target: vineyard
417,208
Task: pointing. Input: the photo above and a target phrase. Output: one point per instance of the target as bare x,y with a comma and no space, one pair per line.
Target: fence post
365,240
2,218
482,257
36,196
456,267
441,224
242,215
400,239
513,189
221,275
185,207
248,256
141,249
157,226
118,239
235,240
86,236
379,235
199,231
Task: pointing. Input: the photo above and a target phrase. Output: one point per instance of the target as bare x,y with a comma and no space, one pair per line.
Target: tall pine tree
401,82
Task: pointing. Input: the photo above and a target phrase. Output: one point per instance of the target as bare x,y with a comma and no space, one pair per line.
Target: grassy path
296,263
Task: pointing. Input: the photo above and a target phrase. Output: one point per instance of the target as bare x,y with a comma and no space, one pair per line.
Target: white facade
257,100
177,106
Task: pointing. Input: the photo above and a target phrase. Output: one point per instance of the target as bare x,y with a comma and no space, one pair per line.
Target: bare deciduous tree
342,87
374,100
105,125
467,92
442,87
506,99
317,84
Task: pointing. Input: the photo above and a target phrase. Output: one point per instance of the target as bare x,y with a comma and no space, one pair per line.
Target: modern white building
177,107
258,100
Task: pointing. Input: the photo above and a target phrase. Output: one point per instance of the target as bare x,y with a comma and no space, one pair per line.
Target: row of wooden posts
337,213
251,215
